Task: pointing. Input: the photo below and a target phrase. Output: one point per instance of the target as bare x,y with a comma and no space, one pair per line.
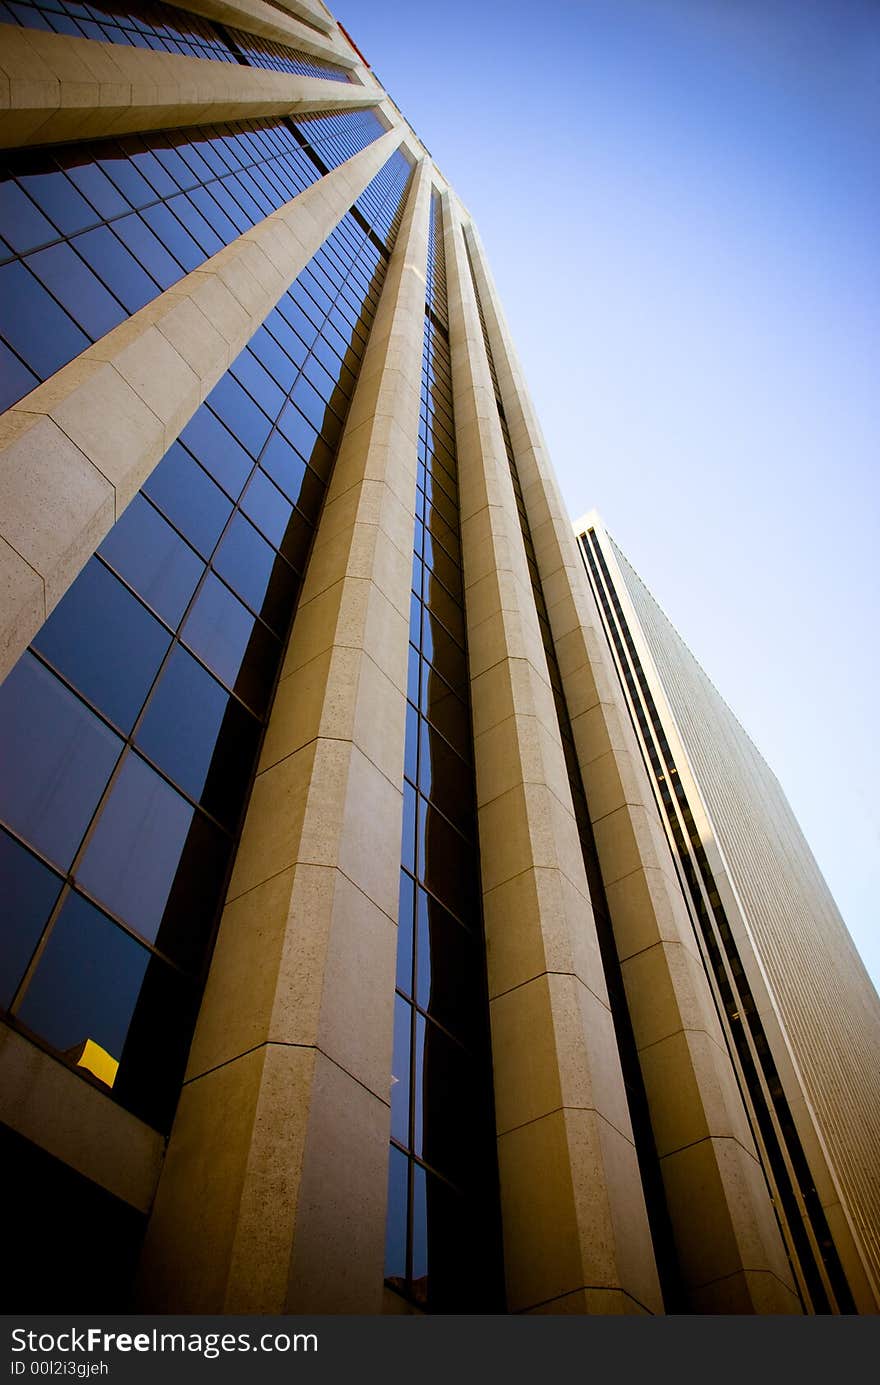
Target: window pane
105,642
232,642
155,862
275,517
28,891
55,760
86,987
32,322
400,1071
203,738
255,571
395,1227
217,450
189,498
153,559
77,289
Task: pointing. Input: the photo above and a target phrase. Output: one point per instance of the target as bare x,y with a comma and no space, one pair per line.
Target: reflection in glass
105,642
55,760
86,983
28,891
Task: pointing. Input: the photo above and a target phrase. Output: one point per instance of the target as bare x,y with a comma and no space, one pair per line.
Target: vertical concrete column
576,1235
728,1241
273,1193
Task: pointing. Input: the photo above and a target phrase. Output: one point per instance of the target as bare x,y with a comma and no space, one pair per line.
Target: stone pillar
273,1194
728,1241
76,449
64,88
576,1235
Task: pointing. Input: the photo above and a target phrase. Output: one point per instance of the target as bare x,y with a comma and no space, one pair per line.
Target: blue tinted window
275,517
53,191
23,223
240,651
203,738
55,760
155,862
189,498
15,378
239,412
28,891
33,323
153,559
117,267
218,451
75,286
87,983
256,573
105,642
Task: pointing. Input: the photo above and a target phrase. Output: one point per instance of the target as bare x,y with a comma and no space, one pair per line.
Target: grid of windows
442,1234
92,232
739,1008
264,52
129,730
136,23
164,28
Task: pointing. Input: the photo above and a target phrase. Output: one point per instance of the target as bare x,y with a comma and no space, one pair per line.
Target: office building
800,1016
346,966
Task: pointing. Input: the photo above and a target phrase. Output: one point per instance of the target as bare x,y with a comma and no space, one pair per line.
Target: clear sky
681,204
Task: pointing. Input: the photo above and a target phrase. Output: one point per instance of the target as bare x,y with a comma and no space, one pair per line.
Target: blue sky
680,201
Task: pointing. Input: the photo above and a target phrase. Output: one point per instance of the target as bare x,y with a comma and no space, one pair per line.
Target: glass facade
89,233
129,731
443,1242
164,28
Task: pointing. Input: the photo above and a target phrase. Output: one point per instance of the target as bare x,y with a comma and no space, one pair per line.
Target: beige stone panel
746,1293
315,15
692,1093
518,949
542,1060
644,911
236,1012
49,1105
76,449
290,955
666,991
507,688
613,779
213,1130
239,1137
319,701
60,87
368,554
598,729
602,1302
627,839
721,1214
296,810
22,594
518,750
55,507
560,1236
271,840
340,1239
